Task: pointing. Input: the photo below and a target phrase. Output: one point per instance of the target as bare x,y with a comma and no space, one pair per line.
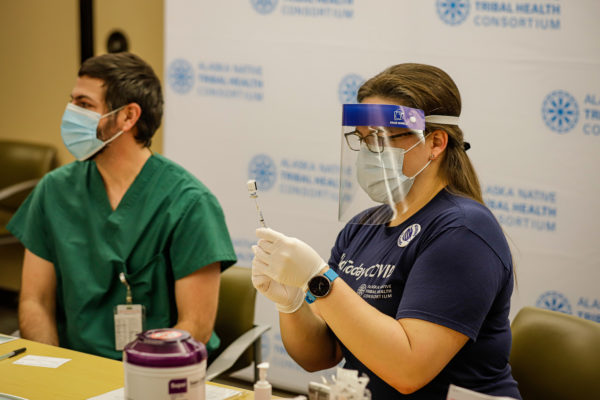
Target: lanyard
128,297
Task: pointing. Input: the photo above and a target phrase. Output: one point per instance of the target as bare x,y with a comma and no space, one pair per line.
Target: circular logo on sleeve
408,234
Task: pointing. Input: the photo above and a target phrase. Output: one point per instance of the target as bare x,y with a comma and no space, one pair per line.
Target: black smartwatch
320,285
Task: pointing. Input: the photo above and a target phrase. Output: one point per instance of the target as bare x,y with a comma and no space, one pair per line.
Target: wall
39,43
142,22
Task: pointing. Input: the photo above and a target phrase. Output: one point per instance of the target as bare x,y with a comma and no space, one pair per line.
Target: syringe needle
252,189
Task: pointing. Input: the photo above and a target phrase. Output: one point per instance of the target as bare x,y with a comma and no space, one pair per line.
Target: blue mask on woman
79,129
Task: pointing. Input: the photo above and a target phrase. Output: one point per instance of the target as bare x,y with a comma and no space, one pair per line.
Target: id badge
129,321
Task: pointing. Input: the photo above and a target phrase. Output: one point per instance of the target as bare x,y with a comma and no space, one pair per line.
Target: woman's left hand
285,259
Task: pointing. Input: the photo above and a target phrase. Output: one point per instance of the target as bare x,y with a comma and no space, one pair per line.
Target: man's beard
107,127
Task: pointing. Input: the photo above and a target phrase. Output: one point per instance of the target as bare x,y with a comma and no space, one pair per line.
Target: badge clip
128,297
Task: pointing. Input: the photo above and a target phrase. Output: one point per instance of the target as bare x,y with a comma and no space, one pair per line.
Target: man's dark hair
129,79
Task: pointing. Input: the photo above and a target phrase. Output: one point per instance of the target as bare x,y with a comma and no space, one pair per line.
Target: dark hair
129,79
432,90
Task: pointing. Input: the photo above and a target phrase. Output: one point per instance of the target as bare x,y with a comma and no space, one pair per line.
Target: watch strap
329,274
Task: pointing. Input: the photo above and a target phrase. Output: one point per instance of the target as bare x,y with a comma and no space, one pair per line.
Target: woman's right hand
287,299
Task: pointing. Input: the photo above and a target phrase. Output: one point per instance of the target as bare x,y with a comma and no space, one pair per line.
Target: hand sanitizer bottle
262,388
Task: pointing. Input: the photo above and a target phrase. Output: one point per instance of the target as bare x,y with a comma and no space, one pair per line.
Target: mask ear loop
421,170
416,174
428,162
112,112
390,199
114,137
105,142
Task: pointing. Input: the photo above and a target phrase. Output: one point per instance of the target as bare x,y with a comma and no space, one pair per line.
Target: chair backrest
555,355
235,314
19,162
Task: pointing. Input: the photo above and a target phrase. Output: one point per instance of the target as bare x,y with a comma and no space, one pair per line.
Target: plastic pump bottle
262,388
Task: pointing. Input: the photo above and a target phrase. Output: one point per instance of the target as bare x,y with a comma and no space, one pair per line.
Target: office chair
240,338
555,356
22,165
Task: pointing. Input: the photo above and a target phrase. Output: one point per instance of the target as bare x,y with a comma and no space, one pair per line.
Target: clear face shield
374,168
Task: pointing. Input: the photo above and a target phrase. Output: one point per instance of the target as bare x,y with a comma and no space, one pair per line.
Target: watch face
319,286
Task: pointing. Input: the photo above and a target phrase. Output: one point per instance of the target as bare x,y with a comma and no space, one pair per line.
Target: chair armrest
17,187
230,355
7,239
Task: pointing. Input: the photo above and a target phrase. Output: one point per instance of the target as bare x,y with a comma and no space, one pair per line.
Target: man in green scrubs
118,209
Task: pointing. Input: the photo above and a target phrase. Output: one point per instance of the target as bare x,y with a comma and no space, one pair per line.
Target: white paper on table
212,393
4,338
459,393
220,393
40,361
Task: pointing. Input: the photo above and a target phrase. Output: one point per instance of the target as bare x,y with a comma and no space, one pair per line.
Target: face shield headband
390,115
375,139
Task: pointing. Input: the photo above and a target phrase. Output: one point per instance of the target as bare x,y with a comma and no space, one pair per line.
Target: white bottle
262,388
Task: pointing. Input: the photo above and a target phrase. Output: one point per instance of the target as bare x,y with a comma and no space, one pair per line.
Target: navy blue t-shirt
448,264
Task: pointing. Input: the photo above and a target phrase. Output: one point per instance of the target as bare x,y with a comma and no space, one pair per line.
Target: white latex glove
287,299
285,259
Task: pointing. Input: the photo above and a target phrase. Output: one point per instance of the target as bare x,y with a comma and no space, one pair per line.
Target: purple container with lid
164,348
163,362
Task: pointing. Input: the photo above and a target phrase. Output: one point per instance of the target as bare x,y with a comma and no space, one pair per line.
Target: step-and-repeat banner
254,90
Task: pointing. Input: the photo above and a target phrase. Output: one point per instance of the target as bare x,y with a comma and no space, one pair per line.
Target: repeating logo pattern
263,170
560,111
181,76
348,88
264,6
554,301
453,12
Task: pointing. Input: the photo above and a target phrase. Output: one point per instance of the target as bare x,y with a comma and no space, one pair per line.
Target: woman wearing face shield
416,293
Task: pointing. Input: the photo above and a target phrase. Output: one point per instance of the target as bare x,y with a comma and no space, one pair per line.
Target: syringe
252,189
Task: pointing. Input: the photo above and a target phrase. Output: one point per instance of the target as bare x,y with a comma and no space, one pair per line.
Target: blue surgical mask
79,129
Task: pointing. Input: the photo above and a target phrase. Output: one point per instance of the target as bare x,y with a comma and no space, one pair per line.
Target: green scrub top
167,226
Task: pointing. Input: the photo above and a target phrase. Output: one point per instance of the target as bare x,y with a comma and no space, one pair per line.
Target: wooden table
83,377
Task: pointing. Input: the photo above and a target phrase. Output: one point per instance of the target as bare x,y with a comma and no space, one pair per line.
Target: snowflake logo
348,88
264,6
453,12
560,111
262,169
554,301
180,76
